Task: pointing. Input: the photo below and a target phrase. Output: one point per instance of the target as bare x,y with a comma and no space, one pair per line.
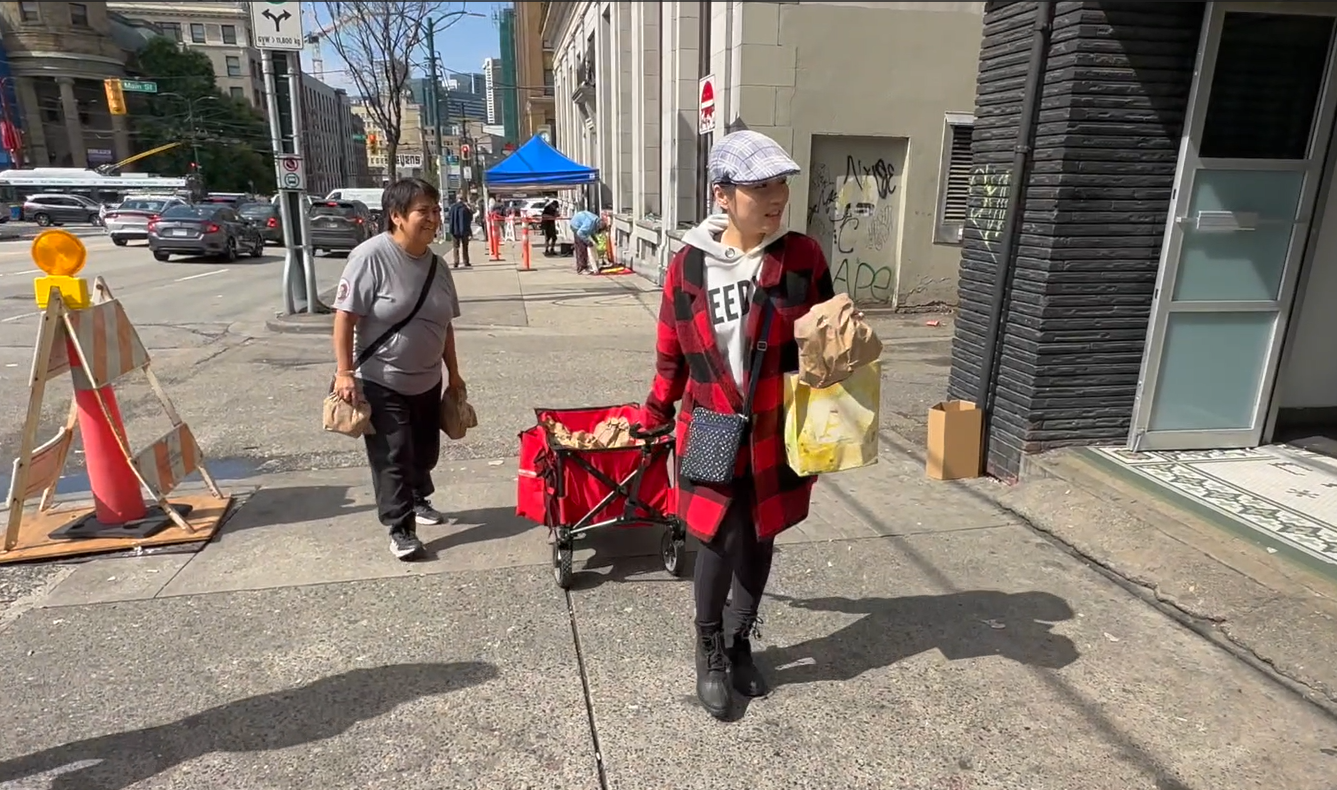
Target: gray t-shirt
380,285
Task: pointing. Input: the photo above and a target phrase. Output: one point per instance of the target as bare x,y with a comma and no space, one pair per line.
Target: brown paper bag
457,415
613,433
348,419
833,340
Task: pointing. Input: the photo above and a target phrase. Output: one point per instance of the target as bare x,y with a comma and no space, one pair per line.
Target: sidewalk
503,295
919,636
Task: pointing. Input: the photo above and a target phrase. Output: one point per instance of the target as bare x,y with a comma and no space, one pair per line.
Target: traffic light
464,152
115,96
373,143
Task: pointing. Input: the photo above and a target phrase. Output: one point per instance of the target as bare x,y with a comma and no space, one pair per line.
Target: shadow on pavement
961,625
484,524
272,506
315,712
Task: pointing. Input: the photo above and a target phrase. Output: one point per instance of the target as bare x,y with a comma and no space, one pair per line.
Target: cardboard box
955,440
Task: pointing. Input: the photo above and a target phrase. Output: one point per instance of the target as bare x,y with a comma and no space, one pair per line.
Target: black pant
403,450
735,559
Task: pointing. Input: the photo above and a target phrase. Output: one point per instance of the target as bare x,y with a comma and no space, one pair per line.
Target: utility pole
442,181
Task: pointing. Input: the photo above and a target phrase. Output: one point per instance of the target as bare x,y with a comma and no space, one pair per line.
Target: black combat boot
712,671
747,679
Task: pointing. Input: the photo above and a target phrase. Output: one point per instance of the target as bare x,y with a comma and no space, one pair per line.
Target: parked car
266,219
48,210
130,220
340,225
203,229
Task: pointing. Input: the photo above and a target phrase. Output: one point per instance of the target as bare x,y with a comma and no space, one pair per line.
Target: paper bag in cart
833,341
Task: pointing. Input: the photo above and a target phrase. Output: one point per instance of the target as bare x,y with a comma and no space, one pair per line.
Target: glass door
1259,118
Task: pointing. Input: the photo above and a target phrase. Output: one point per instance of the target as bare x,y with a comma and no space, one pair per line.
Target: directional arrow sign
277,25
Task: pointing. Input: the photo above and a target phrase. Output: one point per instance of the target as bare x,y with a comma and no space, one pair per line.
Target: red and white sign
706,119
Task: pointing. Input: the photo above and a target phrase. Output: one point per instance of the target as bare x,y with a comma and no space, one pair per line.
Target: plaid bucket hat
748,157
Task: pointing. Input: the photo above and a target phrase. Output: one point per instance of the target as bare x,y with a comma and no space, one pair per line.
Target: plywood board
206,515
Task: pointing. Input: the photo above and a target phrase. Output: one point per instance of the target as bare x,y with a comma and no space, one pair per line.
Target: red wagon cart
575,491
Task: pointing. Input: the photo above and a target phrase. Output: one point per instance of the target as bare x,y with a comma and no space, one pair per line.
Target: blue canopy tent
537,164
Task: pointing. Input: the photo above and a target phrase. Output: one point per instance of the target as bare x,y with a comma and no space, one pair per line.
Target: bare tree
377,40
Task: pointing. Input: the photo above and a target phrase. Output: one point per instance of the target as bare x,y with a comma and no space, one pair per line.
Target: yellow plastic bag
835,428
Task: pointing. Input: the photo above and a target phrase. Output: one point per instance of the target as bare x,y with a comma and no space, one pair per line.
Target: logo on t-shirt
342,293
729,303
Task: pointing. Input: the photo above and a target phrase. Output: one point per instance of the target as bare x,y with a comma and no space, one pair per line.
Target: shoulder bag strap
392,331
758,353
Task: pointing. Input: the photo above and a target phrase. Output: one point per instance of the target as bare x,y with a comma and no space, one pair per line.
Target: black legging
735,559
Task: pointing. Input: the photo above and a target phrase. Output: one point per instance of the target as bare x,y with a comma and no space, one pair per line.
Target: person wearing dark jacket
730,301
461,224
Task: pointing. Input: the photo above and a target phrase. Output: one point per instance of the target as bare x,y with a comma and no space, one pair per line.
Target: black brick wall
1115,92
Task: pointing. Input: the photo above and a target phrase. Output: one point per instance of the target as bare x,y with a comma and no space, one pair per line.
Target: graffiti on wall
989,189
853,206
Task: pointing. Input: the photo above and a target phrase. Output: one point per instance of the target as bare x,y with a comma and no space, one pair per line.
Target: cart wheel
673,550
561,563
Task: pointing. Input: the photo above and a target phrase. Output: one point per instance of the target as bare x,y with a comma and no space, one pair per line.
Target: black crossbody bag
715,438
376,344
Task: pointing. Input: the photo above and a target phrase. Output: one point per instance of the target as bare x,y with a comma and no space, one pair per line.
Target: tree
225,138
375,39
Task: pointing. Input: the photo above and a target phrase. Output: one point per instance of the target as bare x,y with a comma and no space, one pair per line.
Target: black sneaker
426,515
712,672
747,679
405,544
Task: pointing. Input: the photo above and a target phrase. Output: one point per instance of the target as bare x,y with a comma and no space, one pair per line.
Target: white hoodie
731,275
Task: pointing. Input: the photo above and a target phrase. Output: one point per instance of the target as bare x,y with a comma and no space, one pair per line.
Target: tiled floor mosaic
1285,493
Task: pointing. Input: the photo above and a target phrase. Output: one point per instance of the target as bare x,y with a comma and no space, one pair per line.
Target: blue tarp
538,164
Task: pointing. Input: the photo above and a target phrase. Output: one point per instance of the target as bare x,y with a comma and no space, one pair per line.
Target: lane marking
198,276
13,318
17,274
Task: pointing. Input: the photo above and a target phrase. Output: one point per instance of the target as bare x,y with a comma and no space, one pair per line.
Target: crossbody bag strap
392,331
758,354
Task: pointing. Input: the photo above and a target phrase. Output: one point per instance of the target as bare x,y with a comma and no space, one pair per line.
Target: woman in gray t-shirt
397,369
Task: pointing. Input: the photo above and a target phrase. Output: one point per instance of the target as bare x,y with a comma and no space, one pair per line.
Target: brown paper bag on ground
833,340
457,415
348,419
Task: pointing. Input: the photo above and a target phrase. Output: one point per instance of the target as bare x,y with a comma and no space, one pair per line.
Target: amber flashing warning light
61,255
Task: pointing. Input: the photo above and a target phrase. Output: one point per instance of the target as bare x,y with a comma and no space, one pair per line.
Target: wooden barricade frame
158,468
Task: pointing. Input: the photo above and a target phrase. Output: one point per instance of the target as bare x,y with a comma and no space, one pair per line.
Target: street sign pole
277,31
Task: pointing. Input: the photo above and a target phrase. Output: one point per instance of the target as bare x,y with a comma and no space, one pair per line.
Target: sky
460,48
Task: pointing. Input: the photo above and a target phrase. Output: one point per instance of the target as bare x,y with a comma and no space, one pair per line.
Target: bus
17,185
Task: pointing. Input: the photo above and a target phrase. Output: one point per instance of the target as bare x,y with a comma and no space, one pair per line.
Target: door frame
1190,163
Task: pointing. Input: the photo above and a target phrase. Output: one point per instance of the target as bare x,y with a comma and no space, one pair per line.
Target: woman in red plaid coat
742,275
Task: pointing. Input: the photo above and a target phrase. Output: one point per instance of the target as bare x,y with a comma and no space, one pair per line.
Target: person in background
461,224
390,278
549,222
741,279
584,224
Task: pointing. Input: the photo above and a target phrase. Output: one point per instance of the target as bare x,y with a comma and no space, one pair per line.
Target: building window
229,34
171,29
547,82
28,12
233,66
954,179
237,93
259,100
197,32
78,15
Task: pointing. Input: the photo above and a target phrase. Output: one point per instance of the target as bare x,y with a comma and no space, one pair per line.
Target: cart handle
641,434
